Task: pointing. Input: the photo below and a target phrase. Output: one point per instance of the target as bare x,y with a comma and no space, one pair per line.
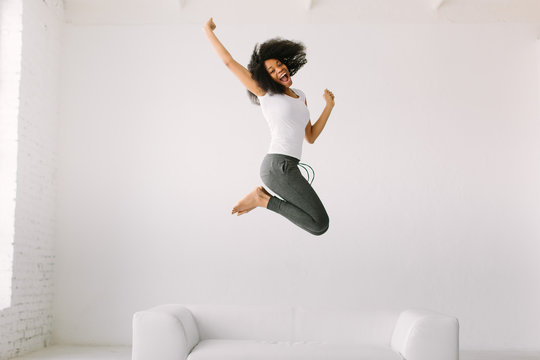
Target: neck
290,92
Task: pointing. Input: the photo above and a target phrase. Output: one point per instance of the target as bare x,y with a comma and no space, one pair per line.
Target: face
278,72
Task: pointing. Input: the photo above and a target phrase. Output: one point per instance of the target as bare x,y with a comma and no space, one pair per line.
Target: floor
499,355
124,353
80,353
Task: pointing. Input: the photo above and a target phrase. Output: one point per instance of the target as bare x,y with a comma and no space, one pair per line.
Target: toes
244,212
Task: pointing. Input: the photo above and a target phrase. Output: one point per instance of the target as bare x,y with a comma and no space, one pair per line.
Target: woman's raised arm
313,131
237,69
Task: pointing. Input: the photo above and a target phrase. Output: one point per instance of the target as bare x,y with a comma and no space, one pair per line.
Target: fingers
329,93
329,97
210,24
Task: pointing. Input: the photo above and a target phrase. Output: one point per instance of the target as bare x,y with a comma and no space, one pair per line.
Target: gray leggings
300,203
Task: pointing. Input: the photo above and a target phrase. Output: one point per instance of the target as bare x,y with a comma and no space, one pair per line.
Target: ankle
263,194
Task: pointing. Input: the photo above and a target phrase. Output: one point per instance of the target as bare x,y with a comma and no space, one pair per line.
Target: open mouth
284,78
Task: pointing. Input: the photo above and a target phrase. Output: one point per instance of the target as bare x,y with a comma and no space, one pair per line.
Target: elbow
310,134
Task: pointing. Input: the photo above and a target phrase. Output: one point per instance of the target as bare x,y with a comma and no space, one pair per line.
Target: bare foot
258,197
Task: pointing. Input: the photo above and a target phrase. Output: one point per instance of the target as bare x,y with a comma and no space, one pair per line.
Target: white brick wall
10,69
27,324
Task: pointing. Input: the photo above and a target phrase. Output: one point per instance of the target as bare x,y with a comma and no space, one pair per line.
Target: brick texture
27,325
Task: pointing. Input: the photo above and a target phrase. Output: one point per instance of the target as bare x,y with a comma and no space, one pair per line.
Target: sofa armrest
425,335
166,332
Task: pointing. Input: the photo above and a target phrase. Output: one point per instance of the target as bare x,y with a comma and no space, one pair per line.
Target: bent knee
321,226
319,233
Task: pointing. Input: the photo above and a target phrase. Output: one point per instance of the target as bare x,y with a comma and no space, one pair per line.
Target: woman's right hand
210,25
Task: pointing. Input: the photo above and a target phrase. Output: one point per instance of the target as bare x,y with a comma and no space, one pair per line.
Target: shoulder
299,93
264,97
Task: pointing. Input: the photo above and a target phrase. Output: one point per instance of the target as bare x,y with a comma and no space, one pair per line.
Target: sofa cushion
278,350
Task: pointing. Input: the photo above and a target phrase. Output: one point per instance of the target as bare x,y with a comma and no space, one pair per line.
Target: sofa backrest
297,324
243,322
373,327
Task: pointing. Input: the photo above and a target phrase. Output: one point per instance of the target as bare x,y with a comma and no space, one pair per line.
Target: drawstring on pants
303,166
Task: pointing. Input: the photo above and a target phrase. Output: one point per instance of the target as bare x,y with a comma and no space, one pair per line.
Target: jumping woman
268,80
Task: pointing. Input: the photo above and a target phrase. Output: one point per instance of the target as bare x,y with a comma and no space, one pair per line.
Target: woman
268,81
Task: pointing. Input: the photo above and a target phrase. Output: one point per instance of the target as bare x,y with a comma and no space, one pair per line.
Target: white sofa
204,332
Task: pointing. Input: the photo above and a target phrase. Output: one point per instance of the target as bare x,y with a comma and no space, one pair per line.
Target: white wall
27,324
428,168
296,11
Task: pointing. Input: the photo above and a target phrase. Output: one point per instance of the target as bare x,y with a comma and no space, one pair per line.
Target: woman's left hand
329,97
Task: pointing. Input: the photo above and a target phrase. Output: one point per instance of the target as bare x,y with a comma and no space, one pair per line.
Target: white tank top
287,118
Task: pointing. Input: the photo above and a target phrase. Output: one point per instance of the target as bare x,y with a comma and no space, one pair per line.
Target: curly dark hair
290,53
